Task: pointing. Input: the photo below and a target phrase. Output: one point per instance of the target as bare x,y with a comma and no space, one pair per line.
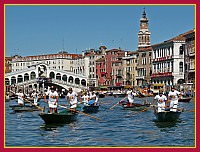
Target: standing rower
173,99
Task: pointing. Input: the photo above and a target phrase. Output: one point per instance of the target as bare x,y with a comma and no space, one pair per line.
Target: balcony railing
162,58
159,74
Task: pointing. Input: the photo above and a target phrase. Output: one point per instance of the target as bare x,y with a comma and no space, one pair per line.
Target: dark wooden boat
135,107
91,108
101,95
119,95
64,116
140,95
167,116
184,99
26,108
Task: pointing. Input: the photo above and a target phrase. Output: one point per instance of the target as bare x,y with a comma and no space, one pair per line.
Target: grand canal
117,127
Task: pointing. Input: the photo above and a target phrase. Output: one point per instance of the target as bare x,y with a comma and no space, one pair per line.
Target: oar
33,104
117,103
80,112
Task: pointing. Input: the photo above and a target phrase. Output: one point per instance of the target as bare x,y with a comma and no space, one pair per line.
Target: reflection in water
166,124
52,127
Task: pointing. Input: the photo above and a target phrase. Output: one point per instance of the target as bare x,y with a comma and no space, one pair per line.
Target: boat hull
184,100
167,116
101,95
120,95
91,109
58,118
26,108
135,107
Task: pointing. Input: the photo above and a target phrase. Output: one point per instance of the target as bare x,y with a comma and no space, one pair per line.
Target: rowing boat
136,107
167,116
91,108
26,108
184,99
64,116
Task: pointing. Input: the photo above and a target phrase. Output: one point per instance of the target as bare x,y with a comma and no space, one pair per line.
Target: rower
72,97
161,99
173,99
130,96
53,99
20,97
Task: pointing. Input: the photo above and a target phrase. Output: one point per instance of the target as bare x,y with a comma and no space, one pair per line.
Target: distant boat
135,107
119,95
26,108
91,109
187,99
65,116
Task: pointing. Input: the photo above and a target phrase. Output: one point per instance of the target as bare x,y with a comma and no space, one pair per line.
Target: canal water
117,128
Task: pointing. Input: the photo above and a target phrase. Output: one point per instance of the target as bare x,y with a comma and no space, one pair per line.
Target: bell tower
144,34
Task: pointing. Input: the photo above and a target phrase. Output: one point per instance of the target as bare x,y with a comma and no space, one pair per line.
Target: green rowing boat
64,116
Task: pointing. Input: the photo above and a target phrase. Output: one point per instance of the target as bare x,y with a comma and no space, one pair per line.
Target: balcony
159,74
139,77
162,58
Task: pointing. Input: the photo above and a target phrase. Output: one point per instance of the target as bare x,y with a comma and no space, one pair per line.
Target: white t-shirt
20,98
174,95
130,94
72,97
161,100
85,98
52,95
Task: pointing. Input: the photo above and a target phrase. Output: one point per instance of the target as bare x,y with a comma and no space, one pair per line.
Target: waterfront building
8,65
144,53
101,73
168,62
129,68
190,58
55,61
93,56
113,66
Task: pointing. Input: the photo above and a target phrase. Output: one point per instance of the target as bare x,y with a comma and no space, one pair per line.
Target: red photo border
106,149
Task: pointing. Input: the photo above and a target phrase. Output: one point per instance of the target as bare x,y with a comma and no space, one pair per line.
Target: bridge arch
83,82
26,77
19,79
64,77
52,75
7,81
13,80
71,79
33,75
77,81
58,76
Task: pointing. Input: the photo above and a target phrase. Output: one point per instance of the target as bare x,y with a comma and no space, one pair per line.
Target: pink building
113,66
100,72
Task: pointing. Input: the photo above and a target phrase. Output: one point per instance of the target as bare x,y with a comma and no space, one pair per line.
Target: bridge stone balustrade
29,75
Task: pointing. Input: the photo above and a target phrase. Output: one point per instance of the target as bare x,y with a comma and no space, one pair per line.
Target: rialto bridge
41,77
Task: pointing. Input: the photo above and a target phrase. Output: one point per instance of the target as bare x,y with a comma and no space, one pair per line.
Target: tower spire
144,34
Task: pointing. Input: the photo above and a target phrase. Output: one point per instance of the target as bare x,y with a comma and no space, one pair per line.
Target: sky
38,29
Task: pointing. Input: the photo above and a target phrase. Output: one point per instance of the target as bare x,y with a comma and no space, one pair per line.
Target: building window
181,50
181,67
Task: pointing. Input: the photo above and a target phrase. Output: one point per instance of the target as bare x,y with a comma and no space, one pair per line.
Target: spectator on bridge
53,99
